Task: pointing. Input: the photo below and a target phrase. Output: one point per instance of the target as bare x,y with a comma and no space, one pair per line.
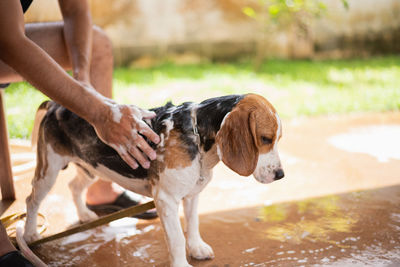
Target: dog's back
73,137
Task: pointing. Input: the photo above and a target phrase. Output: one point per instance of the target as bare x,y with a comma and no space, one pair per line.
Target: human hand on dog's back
120,127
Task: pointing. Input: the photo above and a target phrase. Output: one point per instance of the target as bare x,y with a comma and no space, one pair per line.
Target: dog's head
247,141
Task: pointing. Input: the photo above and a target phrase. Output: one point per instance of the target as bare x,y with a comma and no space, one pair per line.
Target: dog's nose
279,174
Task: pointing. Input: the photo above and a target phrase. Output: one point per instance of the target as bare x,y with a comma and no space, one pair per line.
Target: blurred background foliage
292,16
295,87
308,57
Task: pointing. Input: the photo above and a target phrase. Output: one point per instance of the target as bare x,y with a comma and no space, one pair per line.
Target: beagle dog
241,130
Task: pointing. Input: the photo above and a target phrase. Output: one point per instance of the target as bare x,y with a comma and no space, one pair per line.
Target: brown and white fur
241,130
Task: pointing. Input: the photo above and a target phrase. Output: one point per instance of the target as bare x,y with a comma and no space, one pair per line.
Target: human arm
39,69
78,36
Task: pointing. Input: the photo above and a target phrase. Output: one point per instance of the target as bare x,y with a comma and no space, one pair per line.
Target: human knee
101,42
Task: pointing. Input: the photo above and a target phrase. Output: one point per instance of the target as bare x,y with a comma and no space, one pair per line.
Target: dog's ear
235,141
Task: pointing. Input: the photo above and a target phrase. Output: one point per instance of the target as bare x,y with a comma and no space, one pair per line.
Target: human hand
120,129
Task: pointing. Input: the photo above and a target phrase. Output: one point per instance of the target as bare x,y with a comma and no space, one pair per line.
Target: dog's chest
202,181
207,161
204,173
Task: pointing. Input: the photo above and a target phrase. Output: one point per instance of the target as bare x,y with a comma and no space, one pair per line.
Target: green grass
296,88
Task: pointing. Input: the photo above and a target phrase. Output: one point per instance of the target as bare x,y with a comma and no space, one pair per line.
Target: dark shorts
14,259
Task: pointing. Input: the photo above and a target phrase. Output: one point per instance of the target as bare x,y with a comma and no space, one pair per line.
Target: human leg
5,244
9,256
49,36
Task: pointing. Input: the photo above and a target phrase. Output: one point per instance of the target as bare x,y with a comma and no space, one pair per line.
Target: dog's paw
30,237
200,250
87,216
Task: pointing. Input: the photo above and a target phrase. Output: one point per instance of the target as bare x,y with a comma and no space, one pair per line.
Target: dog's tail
25,250
40,113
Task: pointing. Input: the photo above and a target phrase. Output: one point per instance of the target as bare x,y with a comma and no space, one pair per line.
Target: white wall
218,27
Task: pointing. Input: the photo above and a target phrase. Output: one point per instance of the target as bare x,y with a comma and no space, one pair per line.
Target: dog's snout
279,174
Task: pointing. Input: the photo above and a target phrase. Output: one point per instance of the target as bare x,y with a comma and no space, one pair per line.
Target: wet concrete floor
339,205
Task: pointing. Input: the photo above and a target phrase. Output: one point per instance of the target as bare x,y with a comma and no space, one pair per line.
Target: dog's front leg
167,209
197,248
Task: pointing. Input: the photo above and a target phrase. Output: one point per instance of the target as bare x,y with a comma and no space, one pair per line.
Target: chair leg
6,178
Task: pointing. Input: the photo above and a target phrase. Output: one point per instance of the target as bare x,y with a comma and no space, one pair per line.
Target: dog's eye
266,140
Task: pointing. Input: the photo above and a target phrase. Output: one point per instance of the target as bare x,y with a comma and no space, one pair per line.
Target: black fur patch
210,114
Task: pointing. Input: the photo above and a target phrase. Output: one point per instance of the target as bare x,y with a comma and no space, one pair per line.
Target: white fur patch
41,186
223,121
174,185
169,124
270,162
160,157
180,182
184,181
171,109
162,139
219,152
267,164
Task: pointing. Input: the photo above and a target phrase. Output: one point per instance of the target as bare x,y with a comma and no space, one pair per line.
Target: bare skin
5,244
74,45
76,94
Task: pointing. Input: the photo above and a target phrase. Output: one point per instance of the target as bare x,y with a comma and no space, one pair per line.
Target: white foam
117,230
250,250
142,251
76,238
120,229
379,141
116,112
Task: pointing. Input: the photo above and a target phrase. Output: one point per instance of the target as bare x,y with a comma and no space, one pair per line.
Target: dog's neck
210,114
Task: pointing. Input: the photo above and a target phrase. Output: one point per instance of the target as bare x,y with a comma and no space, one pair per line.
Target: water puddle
379,141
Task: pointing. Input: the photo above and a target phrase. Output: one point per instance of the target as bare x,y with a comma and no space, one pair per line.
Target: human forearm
32,63
39,69
78,36
119,126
